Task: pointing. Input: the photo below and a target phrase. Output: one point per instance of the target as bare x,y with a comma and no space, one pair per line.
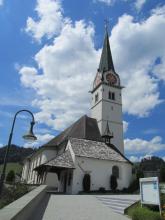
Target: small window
115,171
96,97
111,95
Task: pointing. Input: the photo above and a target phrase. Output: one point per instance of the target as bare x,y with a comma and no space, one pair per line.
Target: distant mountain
16,153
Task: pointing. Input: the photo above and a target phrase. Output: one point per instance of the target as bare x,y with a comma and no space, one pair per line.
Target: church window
115,171
69,179
96,97
111,95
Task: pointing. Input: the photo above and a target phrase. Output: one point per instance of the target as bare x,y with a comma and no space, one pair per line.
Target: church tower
107,98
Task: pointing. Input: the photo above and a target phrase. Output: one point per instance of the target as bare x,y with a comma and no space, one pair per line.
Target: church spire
107,136
106,62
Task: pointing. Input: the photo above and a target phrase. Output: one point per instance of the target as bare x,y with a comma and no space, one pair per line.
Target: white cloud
143,146
134,159
108,2
135,47
66,68
68,65
41,139
1,2
125,126
49,21
139,4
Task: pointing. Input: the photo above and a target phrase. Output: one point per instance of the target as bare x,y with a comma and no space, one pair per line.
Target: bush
113,182
162,173
12,193
102,190
86,183
145,214
10,176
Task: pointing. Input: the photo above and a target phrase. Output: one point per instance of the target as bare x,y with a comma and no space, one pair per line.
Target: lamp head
30,135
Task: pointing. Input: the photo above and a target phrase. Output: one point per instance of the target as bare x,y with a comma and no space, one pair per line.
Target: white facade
28,174
108,110
70,180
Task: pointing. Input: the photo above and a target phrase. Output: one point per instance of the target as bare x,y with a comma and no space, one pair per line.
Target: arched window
115,171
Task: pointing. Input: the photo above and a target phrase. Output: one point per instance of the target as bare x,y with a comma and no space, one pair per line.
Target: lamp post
29,136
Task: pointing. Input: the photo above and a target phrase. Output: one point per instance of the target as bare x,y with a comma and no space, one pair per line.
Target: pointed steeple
106,62
108,135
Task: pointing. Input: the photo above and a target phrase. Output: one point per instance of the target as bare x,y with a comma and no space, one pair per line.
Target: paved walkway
79,207
118,203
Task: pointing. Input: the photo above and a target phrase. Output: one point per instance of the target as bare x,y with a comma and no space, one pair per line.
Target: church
91,145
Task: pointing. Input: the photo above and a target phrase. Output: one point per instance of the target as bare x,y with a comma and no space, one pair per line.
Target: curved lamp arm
30,135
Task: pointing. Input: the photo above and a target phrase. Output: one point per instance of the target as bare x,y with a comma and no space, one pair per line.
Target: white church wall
29,175
100,172
48,155
25,171
52,180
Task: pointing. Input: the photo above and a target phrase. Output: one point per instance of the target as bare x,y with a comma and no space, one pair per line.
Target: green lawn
17,167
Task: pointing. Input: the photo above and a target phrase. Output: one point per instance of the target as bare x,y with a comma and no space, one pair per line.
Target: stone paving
79,207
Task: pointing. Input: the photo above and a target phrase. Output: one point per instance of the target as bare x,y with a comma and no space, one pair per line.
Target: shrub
10,176
113,182
86,183
162,172
145,214
102,190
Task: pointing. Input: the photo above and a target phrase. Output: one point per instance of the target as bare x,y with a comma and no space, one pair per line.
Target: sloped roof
106,62
64,160
84,128
95,149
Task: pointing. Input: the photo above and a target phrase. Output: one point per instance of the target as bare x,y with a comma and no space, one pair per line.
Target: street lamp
29,136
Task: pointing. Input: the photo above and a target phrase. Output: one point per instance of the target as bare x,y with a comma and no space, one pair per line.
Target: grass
16,167
12,193
136,212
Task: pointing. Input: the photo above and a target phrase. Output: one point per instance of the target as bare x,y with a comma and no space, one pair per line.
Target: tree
10,176
162,172
113,182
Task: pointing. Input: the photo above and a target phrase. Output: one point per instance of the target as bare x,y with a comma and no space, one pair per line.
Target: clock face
111,78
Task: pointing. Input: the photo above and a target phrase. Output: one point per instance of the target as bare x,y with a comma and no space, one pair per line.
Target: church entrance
62,174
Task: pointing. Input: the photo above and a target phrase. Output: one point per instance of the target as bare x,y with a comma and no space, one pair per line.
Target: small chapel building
92,145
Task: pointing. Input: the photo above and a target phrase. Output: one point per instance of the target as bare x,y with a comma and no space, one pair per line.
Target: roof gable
84,128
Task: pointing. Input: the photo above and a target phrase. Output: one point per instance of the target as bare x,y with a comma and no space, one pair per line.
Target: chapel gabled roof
106,61
63,161
97,150
84,128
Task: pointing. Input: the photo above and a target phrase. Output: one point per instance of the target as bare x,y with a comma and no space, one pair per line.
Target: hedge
145,214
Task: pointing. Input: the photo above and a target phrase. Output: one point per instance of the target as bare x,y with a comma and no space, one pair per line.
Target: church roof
84,128
97,150
63,161
106,61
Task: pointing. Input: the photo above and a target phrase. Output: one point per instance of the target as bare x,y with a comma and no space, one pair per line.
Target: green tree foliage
10,176
113,182
162,172
16,154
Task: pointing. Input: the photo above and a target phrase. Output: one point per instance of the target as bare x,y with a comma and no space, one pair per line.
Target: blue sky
49,55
